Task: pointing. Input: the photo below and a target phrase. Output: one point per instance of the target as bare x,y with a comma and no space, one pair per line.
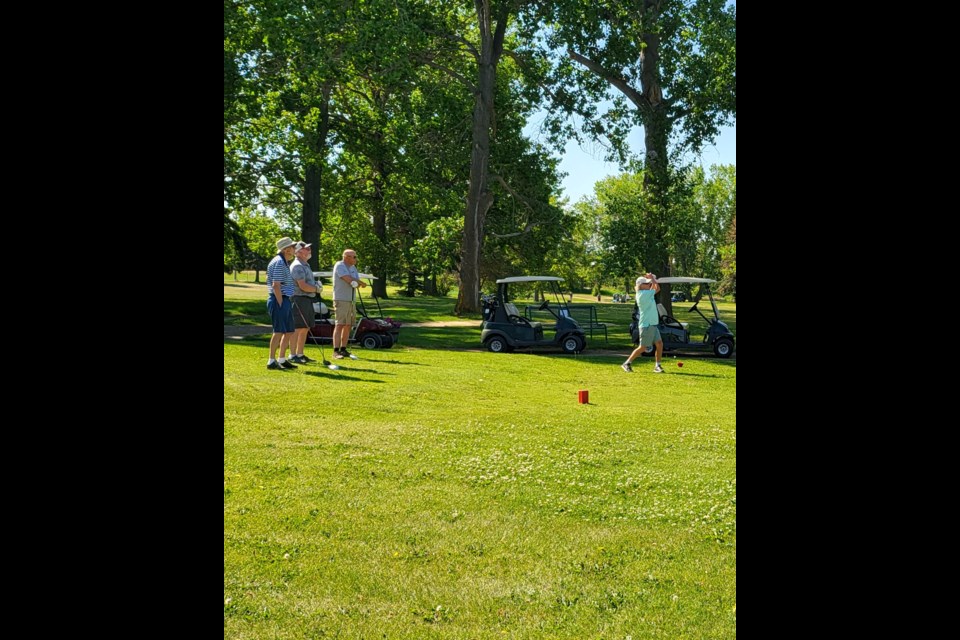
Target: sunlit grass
439,493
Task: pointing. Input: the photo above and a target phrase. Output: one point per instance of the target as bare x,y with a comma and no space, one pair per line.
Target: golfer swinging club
647,320
346,278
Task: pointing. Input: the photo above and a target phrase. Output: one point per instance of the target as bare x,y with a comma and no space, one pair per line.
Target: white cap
642,280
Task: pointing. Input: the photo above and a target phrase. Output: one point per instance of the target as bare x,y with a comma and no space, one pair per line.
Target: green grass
246,303
454,493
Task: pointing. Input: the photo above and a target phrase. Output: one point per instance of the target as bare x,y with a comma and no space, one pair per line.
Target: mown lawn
434,490
246,303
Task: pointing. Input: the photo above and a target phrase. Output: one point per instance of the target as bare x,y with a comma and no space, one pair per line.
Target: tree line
396,127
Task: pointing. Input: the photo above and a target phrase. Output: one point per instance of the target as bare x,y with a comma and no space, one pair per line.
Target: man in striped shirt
280,287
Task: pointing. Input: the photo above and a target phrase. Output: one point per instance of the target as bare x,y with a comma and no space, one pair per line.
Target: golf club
323,356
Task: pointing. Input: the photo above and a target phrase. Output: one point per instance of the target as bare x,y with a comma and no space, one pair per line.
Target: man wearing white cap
647,321
280,287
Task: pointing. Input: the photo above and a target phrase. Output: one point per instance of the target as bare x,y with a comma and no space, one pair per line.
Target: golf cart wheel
371,341
723,347
573,344
387,340
649,351
497,344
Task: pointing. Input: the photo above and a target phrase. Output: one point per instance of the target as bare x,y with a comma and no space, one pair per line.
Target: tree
729,265
261,233
673,60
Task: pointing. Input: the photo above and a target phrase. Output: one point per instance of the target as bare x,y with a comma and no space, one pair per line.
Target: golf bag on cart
489,306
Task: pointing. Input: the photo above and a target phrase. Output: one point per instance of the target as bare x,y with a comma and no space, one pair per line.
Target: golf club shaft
323,355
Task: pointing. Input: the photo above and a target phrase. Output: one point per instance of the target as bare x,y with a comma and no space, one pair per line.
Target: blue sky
585,166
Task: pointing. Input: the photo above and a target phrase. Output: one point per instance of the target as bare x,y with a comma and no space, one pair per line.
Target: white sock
271,361
282,360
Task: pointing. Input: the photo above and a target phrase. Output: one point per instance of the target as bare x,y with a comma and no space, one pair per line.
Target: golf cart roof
329,274
672,280
529,279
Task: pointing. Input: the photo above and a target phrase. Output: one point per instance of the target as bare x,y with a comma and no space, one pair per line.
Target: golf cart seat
511,310
670,321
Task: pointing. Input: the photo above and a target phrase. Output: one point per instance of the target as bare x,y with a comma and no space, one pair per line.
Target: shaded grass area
428,493
245,303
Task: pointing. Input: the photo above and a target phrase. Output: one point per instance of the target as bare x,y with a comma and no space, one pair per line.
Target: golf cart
371,333
504,329
675,334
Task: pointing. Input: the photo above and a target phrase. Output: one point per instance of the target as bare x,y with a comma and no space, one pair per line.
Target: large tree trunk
479,199
656,133
411,283
313,173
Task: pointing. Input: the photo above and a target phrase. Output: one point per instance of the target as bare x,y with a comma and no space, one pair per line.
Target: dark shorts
303,317
280,315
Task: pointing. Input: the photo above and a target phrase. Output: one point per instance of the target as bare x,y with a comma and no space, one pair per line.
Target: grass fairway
428,492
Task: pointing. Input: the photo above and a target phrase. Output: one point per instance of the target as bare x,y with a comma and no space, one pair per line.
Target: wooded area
396,127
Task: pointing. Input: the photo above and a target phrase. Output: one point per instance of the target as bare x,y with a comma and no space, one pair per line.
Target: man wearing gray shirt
346,278
303,295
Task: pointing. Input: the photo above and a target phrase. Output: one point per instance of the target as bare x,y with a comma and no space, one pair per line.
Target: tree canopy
396,127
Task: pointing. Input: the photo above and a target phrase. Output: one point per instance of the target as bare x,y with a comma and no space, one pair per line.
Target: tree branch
618,82
459,39
530,226
453,74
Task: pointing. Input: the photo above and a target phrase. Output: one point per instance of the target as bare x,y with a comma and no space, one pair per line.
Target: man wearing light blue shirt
647,321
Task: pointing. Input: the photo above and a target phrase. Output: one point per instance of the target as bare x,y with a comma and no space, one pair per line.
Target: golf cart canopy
530,279
683,280
329,274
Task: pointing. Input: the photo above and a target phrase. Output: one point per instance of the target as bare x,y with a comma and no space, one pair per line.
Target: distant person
647,321
303,296
346,278
279,306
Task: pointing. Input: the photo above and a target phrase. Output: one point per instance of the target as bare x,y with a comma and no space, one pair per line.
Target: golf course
436,490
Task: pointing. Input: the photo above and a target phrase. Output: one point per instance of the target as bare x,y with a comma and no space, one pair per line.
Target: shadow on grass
345,365
339,375
412,364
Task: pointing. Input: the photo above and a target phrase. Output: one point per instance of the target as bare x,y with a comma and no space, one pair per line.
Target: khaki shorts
345,312
649,335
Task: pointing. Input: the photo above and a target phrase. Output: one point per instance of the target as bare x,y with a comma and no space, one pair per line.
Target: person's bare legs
300,340
659,345
343,332
636,353
284,343
274,343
